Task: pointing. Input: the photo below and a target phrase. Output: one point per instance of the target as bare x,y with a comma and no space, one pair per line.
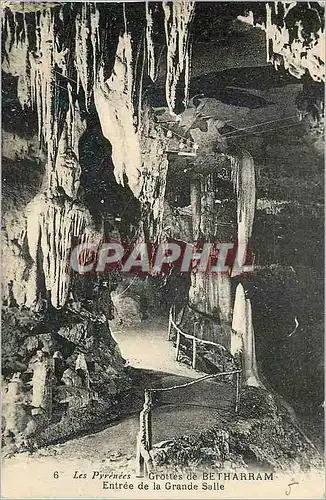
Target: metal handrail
192,382
144,461
195,340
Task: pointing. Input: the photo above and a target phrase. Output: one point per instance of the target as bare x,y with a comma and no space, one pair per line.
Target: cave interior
173,122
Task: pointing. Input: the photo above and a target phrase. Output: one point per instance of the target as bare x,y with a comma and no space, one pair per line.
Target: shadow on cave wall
102,194
289,333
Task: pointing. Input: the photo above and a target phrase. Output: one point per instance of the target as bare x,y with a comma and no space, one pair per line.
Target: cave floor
190,410
145,346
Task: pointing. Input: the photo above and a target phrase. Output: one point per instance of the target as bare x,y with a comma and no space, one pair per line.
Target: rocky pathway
113,449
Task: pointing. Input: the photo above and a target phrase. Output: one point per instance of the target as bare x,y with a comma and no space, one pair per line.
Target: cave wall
282,121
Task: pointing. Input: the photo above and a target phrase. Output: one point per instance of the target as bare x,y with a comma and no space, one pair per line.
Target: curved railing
144,449
180,333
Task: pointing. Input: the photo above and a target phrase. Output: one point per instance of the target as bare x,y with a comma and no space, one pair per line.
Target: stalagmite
51,229
42,381
243,178
178,15
71,379
81,368
33,57
113,100
55,220
16,420
243,338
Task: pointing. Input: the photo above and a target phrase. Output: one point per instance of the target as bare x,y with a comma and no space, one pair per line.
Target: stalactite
39,55
300,54
154,171
149,42
67,168
113,100
50,226
243,178
178,16
95,36
43,82
55,220
16,57
81,51
187,73
210,294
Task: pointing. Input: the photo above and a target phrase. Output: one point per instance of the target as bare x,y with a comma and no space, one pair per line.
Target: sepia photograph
162,327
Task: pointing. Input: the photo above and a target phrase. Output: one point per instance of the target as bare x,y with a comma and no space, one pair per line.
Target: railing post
194,348
140,462
182,315
237,393
177,346
144,440
148,419
170,324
